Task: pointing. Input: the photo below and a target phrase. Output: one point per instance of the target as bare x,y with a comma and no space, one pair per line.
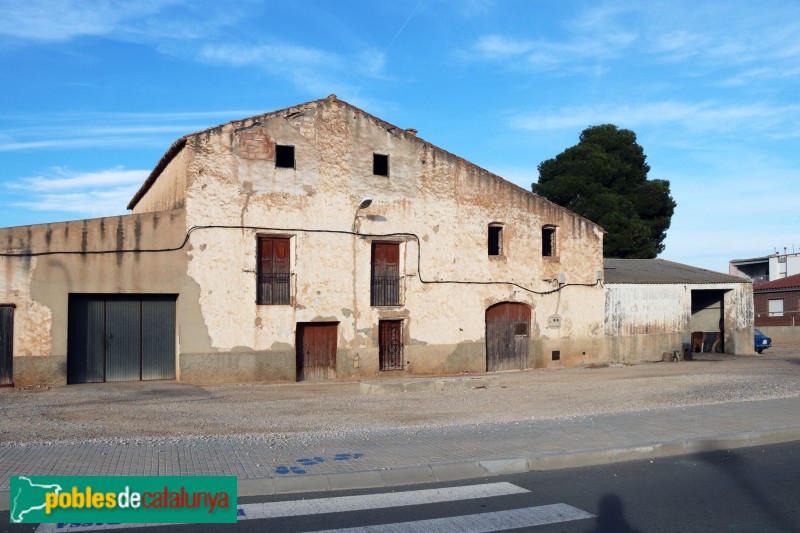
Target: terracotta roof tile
790,282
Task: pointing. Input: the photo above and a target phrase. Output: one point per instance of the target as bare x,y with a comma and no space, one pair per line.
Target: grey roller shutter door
121,338
158,339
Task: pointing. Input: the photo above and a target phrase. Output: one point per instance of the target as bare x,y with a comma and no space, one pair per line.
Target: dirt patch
77,413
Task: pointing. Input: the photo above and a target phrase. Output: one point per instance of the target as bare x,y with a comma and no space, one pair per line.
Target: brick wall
255,144
791,308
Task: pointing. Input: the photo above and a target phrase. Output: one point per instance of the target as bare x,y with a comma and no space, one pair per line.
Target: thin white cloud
64,180
74,144
61,20
30,133
89,204
502,47
312,70
692,116
570,55
707,40
98,193
271,56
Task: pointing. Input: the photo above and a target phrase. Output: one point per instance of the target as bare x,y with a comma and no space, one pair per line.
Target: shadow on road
736,468
611,516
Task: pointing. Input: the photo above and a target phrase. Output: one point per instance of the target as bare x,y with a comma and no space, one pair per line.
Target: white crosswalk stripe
496,521
480,523
377,501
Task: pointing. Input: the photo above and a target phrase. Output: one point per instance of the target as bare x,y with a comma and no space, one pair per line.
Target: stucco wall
169,190
782,334
441,205
40,285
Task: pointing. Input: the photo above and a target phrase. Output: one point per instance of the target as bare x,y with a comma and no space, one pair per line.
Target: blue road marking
306,462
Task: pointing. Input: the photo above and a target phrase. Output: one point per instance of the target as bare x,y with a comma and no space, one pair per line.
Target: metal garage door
120,338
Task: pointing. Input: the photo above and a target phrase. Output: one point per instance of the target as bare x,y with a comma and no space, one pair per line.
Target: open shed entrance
115,337
708,321
508,327
316,350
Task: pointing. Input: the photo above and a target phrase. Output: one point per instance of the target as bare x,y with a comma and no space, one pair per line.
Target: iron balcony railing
274,289
385,290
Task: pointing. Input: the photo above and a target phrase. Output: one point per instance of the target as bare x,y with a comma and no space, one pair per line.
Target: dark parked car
762,341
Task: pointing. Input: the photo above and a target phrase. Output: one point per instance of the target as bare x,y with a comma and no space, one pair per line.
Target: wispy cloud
99,193
61,20
709,40
36,132
705,116
312,70
66,181
269,56
146,21
88,204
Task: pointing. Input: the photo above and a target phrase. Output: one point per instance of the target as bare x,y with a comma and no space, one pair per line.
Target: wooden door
508,328
390,341
6,344
316,350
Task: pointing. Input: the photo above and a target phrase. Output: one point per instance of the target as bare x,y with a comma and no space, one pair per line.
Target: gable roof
661,271
789,282
408,134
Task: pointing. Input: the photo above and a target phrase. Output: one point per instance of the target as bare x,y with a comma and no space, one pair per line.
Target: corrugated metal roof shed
789,282
661,271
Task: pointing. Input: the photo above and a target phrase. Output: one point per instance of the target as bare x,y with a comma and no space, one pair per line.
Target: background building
767,268
777,308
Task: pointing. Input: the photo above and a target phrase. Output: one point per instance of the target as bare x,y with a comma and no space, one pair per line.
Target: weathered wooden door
6,344
508,328
316,350
390,341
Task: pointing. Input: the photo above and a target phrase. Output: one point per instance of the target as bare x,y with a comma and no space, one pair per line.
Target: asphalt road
752,489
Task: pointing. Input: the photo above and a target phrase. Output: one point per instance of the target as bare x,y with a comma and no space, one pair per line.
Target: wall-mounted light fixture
365,203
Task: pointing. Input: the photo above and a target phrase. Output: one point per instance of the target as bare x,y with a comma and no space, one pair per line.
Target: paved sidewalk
397,457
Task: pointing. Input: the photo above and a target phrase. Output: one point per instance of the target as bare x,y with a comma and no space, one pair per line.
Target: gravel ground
166,411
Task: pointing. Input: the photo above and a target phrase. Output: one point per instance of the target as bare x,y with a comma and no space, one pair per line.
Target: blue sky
93,93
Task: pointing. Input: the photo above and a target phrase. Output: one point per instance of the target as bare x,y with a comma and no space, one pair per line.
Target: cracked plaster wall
447,202
40,286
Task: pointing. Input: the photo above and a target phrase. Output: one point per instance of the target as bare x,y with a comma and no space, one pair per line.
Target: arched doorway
508,327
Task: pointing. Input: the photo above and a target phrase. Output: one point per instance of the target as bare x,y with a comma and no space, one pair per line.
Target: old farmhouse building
313,242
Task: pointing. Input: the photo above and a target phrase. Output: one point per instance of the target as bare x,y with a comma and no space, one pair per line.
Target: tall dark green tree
604,178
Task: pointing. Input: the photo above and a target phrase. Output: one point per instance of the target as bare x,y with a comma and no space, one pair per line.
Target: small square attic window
380,164
284,156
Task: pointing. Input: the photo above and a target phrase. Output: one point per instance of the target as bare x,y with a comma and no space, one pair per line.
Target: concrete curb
370,479
518,465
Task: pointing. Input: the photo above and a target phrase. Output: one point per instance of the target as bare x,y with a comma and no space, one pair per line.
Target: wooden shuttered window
273,271
385,279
